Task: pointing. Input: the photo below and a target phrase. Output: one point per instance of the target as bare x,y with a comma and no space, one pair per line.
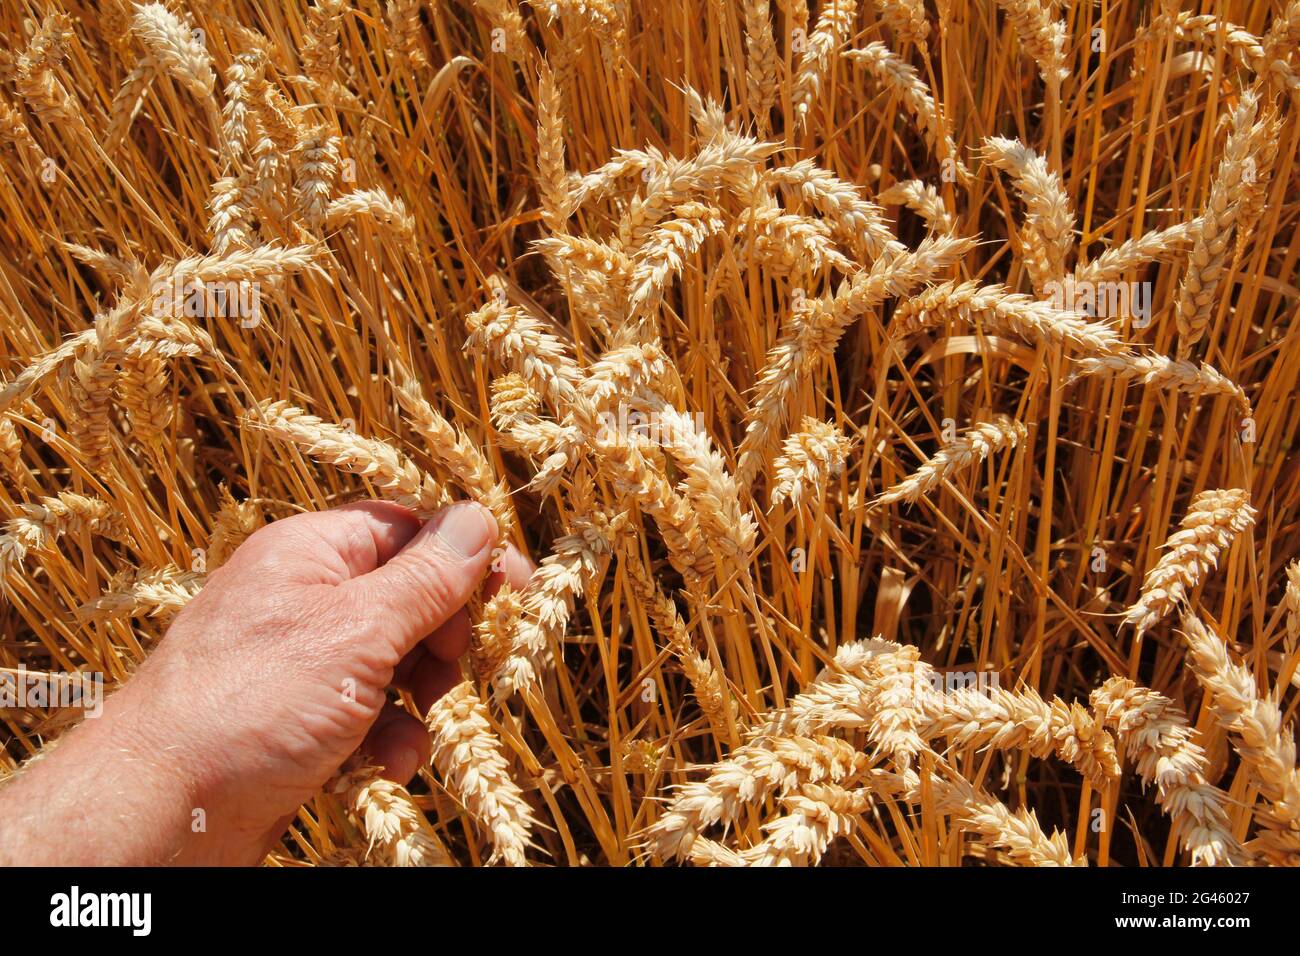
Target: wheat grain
1023,720
145,388
320,48
11,448
451,448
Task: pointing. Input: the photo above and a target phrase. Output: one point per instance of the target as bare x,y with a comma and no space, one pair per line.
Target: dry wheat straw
900,78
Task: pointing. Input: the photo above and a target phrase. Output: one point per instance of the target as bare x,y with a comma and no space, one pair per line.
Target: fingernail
466,528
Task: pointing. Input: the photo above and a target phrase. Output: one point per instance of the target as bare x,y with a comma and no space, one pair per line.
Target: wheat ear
144,592
1266,745
1049,220
997,309
394,825
1213,233
761,62
1214,518
171,41
980,441
472,764
387,468
1155,734
892,72
834,25
810,458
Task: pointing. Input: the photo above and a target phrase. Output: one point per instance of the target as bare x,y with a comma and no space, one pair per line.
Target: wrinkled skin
264,685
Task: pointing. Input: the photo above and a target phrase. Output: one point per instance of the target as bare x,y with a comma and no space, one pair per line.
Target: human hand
266,683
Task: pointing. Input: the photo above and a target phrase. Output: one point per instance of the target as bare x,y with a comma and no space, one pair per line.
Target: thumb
432,576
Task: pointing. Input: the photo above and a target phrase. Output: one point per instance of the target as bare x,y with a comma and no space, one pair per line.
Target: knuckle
426,583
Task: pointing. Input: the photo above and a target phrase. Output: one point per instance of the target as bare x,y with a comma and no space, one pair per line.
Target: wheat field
898,399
